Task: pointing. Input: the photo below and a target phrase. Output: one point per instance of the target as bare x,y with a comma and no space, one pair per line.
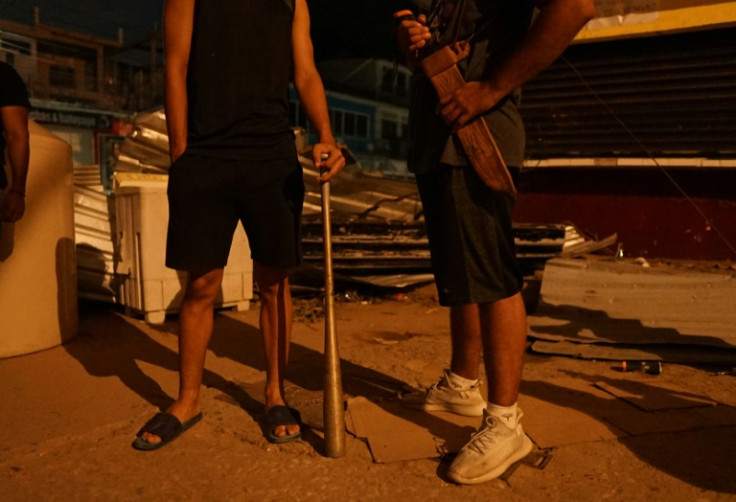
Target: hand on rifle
470,101
333,164
411,34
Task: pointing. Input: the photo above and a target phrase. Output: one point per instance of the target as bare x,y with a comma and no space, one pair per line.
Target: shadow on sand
702,457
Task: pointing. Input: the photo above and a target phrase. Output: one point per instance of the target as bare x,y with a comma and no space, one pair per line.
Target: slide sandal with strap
281,415
166,426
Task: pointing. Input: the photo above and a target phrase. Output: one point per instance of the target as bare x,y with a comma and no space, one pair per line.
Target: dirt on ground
70,413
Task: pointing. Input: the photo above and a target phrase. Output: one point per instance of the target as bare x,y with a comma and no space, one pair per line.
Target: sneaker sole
522,452
465,411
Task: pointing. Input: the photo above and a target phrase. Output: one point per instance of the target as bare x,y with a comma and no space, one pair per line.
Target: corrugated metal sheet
93,228
677,94
596,301
378,223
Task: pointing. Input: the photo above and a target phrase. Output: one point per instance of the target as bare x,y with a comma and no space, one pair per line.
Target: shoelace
483,437
445,381
435,385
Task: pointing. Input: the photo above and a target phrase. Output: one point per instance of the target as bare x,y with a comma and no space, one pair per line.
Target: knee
203,288
272,282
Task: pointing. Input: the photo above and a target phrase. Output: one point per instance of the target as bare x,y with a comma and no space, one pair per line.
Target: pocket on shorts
175,180
177,162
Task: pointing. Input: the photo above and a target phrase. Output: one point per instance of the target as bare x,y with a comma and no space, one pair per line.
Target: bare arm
556,25
15,123
178,27
311,92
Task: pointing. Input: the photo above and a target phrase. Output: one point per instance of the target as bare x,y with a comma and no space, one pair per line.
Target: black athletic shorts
207,198
471,239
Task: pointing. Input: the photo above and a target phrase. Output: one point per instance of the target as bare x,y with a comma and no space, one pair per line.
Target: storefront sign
74,119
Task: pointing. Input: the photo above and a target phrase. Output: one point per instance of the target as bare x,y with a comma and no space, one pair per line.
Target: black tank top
237,80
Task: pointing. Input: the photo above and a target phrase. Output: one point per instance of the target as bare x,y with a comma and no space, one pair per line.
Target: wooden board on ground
396,433
563,411
617,302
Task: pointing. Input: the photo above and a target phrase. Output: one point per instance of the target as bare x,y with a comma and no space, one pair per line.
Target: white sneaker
448,396
490,451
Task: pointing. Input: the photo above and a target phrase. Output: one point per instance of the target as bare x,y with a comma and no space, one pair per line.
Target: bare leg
275,319
195,319
466,340
503,324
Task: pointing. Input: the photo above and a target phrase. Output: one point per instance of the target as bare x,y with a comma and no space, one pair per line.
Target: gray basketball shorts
471,239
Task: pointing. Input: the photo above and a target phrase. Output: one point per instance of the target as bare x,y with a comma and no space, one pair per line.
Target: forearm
326,155
175,105
19,155
554,28
312,96
178,29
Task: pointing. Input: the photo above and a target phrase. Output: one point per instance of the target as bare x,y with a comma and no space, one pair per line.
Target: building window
389,129
387,85
346,123
361,126
16,46
61,76
349,126
90,76
337,121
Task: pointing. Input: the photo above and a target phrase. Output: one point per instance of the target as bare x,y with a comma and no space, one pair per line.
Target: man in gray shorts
233,156
469,225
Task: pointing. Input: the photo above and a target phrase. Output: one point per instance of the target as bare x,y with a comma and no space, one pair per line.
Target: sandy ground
70,413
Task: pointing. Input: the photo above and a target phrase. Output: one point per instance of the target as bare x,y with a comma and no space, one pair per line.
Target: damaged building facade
84,88
633,131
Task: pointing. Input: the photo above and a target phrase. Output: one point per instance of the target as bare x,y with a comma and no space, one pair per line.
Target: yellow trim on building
669,16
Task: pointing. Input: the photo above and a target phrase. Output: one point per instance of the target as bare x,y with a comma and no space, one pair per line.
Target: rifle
477,142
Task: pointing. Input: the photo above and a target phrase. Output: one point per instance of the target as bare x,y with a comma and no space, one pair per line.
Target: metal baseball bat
333,413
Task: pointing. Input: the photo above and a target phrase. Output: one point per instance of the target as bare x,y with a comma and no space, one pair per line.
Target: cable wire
648,153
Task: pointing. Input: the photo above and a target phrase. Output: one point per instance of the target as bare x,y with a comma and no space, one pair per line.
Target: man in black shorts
469,225
14,106
233,156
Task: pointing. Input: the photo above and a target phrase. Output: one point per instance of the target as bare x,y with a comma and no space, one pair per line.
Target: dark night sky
101,18
340,28
353,28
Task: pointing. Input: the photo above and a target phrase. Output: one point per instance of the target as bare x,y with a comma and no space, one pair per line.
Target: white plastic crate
148,287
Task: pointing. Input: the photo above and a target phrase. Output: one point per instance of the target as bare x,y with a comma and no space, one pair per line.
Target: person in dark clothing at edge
228,64
14,106
469,225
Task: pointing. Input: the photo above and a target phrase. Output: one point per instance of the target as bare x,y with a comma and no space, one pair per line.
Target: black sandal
164,425
281,415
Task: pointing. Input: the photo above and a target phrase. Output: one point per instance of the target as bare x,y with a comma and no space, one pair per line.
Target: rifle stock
475,137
